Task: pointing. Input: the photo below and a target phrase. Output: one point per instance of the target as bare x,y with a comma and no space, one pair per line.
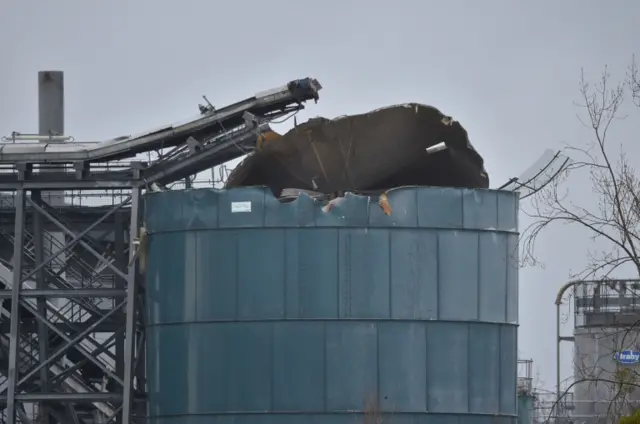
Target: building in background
606,350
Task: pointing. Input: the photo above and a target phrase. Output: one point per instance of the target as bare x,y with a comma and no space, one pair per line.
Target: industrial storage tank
261,311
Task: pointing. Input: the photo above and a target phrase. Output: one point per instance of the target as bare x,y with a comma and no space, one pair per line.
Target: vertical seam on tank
324,363
500,335
263,222
298,233
349,275
237,274
506,320
225,357
285,282
468,367
516,215
462,223
478,277
377,327
338,272
272,325
497,217
506,279
515,370
217,197
426,363
437,275
390,274
198,234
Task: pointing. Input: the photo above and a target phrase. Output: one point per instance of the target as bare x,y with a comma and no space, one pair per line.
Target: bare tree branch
611,218
615,219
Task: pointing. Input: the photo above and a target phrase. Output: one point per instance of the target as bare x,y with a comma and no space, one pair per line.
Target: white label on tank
240,207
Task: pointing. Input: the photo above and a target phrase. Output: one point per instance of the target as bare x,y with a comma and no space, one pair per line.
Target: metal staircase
68,317
28,348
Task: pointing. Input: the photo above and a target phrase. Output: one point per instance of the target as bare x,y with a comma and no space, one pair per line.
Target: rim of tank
400,207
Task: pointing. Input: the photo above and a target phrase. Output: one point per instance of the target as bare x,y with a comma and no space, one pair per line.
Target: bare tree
611,217
614,218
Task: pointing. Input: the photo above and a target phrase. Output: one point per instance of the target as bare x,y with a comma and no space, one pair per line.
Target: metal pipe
436,148
51,102
36,137
558,394
558,302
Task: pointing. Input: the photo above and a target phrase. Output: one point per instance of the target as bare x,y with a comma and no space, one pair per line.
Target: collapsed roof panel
378,150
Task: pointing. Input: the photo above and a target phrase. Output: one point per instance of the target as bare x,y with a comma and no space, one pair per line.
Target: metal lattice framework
60,301
72,342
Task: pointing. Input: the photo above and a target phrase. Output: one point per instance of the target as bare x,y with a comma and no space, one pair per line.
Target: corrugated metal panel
289,314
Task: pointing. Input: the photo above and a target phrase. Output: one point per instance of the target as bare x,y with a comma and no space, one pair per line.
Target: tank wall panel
321,418
296,314
440,367
448,208
213,275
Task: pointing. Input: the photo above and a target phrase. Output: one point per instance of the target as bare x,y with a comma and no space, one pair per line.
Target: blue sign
627,357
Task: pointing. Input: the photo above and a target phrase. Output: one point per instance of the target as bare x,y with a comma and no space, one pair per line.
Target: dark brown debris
374,151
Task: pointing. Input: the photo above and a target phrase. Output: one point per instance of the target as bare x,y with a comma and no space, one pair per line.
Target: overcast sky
508,70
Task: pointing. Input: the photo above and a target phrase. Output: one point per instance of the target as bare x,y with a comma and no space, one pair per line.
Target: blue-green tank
403,306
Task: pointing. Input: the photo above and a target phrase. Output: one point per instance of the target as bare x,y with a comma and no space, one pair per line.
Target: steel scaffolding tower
72,342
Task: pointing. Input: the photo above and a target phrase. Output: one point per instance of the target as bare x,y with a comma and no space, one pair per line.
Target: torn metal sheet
401,145
383,201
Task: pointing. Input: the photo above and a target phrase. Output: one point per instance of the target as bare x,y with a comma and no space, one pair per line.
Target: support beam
66,184
66,397
14,333
43,332
72,414
131,328
120,283
30,328
66,293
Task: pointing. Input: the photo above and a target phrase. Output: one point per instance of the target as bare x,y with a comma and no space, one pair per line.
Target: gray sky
508,70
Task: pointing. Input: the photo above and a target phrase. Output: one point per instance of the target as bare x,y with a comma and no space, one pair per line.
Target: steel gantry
72,341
